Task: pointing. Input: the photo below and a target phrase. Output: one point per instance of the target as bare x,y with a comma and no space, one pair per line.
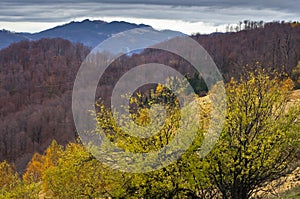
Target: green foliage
68,173
74,175
259,143
259,139
296,76
184,178
9,178
11,185
23,190
198,84
40,163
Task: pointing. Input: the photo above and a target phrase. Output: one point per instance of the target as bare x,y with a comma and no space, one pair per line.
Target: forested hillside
258,147
275,45
36,80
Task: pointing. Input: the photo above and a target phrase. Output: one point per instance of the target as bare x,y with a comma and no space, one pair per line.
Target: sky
187,16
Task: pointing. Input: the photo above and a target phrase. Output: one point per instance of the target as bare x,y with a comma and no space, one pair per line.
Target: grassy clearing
291,194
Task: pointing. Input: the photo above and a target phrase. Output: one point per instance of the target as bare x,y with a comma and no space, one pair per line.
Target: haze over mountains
89,33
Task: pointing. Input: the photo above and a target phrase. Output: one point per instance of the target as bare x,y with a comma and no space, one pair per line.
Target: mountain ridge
90,33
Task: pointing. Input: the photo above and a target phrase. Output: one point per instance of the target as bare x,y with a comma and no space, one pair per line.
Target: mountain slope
36,79
89,33
7,38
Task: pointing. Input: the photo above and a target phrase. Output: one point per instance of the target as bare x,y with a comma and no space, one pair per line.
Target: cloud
62,10
211,13
292,5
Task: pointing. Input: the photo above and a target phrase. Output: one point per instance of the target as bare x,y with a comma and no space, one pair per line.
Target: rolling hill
37,75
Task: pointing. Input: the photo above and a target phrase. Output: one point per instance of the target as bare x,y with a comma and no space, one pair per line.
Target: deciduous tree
259,139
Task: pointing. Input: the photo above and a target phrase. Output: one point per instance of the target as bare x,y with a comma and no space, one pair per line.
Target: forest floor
287,187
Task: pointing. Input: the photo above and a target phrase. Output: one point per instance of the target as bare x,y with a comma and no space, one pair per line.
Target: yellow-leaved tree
260,138
40,163
9,178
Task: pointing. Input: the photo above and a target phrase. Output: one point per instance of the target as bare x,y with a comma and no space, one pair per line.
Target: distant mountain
89,33
7,38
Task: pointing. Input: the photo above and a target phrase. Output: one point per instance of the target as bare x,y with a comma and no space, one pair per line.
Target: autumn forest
42,155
